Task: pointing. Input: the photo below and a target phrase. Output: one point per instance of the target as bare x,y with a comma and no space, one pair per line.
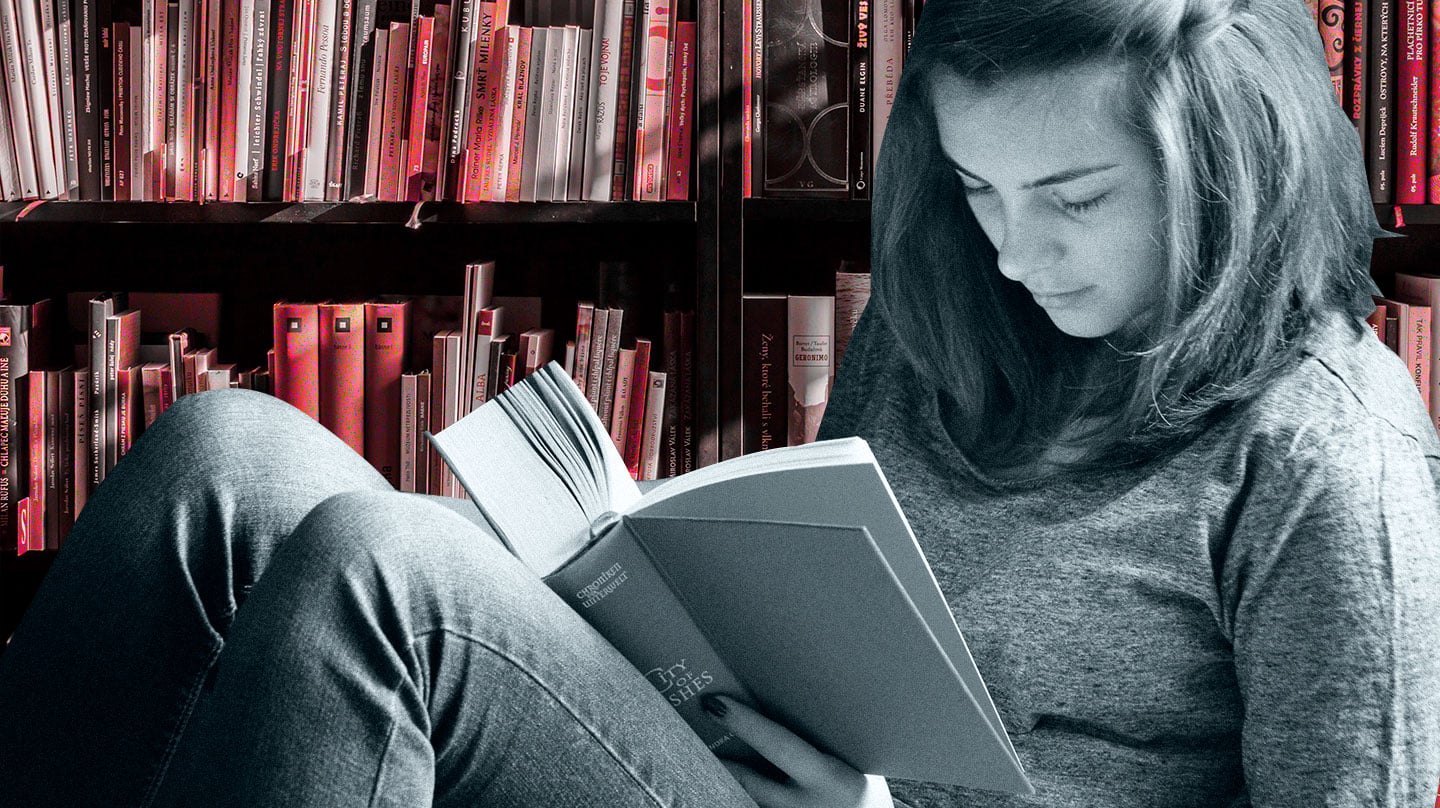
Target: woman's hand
817,780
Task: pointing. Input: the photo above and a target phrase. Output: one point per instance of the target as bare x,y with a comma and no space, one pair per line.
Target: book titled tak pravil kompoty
788,578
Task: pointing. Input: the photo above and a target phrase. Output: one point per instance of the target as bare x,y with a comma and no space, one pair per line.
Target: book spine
414,163
654,421
500,130
595,366
127,394
80,439
50,459
680,104
386,330
69,122
515,158
422,425
139,123
14,411
9,170
1420,354
35,435
600,113
438,394
41,129
302,50
860,117
49,49
886,56
208,183
1423,290
811,333
123,353
472,159
436,104
451,413
619,419
579,122
764,372
809,120
235,114
361,90
100,309
852,293
1380,158
635,425
63,462
157,98
650,125
150,391
186,72
341,65
749,112
371,154
564,120
277,103
122,88
540,50
319,109
392,127
296,377
687,391
409,432
342,372
613,584
467,66
1412,104
1331,21
13,50
624,88
584,323
609,362
670,449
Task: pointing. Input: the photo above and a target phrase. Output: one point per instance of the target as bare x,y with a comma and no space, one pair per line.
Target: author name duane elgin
596,590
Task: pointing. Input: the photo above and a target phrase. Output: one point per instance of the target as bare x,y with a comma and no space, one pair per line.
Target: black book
805,114
369,15
1357,59
860,135
86,54
277,112
105,70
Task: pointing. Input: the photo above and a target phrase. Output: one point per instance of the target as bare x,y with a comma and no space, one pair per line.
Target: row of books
1386,79
818,81
1405,322
349,365
344,100
792,346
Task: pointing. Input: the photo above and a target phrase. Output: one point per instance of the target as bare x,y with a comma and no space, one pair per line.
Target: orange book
639,387
386,327
296,373
516,158
342,372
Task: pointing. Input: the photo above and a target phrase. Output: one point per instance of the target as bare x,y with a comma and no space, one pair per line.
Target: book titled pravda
789,578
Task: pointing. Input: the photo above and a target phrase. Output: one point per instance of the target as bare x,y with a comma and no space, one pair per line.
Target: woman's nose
1025,249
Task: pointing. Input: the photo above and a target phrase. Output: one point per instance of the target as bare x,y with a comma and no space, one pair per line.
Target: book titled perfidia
788,578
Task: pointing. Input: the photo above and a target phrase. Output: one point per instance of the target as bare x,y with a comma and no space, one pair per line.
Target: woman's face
1066,193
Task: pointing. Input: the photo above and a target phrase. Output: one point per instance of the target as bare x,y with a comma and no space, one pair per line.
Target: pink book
476,176
296,373
420,79
1412,103
682,113
1414,322
521,95
386,327
1424,290
392,143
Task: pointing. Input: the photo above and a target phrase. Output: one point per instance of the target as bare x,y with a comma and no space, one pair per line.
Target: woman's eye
1086,205
975,190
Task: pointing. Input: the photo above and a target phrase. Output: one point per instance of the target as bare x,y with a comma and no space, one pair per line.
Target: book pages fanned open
788,578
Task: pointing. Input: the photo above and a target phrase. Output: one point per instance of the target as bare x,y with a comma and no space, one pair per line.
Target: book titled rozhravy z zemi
789,579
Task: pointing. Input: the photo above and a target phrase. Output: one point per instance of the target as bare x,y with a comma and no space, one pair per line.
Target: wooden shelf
807,210
351,212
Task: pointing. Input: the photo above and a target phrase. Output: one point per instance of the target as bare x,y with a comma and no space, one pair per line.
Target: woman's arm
1331,587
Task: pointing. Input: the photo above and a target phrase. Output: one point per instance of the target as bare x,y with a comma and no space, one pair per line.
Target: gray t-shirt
1255,621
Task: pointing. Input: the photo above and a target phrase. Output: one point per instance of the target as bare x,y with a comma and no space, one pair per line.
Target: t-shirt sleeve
1331,588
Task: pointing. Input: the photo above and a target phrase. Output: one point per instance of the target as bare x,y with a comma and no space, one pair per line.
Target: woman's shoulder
1349,390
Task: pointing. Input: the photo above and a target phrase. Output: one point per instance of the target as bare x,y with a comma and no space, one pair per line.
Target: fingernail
713,706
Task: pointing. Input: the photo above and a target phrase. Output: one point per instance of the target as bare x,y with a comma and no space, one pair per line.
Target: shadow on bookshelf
348,212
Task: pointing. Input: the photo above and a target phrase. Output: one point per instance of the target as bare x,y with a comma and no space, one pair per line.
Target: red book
30,522
639,385
1412,103
297,356
60,464
229,86
419,97
342,372
128,395
1424,290
1413,322
386,328
392,146
150,390
584,324
682,114
215,31
476,178
436,103
517,129
620,407
80,441
298,129
167,387
649,129
623,122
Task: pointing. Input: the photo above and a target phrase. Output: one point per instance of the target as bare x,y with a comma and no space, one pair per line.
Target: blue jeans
247,614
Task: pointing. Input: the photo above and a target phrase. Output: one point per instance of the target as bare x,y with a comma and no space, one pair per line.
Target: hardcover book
764,384
790,580
342,372
807,98
810,346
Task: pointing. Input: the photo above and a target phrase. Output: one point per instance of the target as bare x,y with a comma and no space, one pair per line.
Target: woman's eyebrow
1057,178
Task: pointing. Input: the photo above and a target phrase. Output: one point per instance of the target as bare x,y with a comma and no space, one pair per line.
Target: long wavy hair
1267,215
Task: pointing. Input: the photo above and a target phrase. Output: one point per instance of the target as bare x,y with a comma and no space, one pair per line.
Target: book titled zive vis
789,579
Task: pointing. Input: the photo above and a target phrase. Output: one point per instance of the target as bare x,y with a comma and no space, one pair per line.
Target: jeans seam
182,721
557,699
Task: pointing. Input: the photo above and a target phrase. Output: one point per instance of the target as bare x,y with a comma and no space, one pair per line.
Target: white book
15,86
322,83
565,109
654,419
38,95
378,93
146,90
604,94
9,175
244,79
182,149
510,66
534,93
553,72
258,64
157,50
465,35
575,182
791,577
64,40
810,342
208,126
649,128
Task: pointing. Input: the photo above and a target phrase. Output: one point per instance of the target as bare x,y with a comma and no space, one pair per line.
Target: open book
789,579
